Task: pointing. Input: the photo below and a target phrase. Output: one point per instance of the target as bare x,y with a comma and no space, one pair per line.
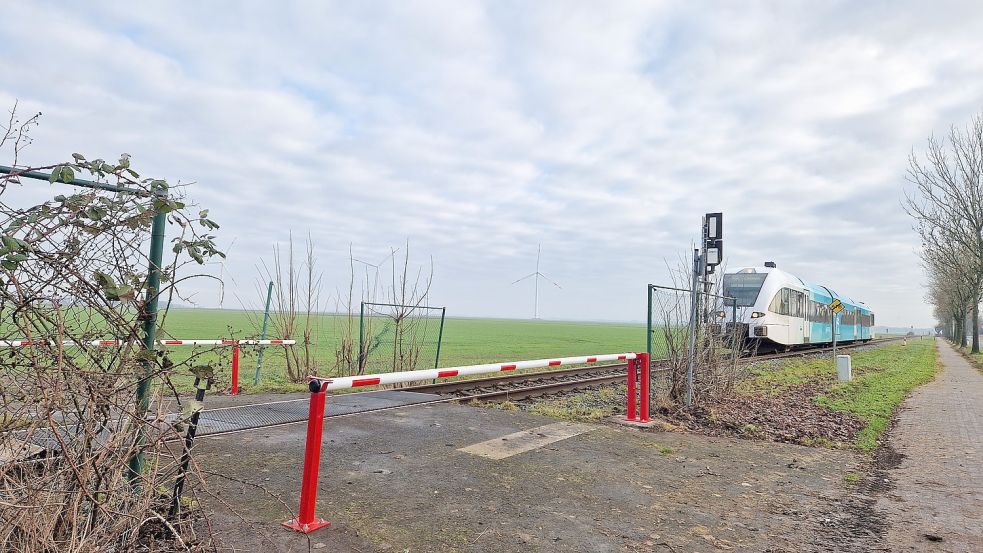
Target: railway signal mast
705,260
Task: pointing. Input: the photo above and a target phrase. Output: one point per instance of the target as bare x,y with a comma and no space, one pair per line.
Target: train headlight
721,314
757,315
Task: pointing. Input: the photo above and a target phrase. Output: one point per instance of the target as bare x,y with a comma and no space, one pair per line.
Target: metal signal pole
704,263
692,326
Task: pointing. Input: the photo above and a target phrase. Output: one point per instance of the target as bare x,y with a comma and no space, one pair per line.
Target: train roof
817,289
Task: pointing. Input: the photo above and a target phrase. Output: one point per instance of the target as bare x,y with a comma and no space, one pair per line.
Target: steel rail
619,370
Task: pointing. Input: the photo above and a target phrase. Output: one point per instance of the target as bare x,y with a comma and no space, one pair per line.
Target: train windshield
744,287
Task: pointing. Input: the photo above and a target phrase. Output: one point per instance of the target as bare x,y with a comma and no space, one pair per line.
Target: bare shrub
73,270
296,307
717,346
385,326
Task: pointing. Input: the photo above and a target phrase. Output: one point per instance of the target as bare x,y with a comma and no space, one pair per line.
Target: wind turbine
537,274
376,266
221,273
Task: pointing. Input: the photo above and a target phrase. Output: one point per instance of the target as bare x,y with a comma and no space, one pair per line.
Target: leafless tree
947,206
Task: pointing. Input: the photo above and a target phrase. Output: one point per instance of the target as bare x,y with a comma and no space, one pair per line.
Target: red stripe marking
508,367
554,363
228,341
173,342
25,342
366,381
592,359
107,342
276,341
444,374
622,357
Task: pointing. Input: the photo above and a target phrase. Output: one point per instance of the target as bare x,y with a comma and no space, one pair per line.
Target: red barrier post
306,522
643,360
235,368
632,376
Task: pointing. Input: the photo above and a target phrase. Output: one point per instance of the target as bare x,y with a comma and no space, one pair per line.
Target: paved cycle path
937,503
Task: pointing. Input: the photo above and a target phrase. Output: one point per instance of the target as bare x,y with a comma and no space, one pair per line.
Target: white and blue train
777,310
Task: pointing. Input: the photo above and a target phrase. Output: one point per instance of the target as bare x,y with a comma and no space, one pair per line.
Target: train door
796,319
807,316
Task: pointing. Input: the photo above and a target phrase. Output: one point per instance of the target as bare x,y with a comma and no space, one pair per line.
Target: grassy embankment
975,358
883,377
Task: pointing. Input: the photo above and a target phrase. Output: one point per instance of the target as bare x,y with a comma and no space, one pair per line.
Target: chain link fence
394,337
717,346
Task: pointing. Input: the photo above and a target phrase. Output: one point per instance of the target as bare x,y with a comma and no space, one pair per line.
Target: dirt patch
790,417
855,524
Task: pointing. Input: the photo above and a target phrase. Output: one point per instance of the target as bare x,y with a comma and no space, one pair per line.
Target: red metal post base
295,525
638,393
632,377
235,368
306,522
645,365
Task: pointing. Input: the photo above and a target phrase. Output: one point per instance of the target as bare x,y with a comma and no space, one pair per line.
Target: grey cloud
477,130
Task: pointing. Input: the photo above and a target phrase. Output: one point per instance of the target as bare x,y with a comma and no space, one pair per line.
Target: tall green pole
440,337
361,336
136,462
648,328
262,332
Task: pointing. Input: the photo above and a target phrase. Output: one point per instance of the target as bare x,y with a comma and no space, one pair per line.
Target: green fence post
262,333
361,337
648,327
136,462
440,337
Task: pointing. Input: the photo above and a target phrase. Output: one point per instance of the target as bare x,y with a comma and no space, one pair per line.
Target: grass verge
589,406
886,376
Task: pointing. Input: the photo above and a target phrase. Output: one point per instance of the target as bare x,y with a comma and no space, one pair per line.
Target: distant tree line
947,206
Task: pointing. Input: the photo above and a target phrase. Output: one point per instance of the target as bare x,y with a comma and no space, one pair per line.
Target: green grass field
465,341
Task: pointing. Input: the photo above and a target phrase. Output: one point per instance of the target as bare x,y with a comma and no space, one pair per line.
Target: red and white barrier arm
345,382
306,522
25,343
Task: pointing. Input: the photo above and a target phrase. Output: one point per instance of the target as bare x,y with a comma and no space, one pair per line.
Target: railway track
536,384
226,420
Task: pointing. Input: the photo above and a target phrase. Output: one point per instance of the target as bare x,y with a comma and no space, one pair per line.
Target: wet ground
398,481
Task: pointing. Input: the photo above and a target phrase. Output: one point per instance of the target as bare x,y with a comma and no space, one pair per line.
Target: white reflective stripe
344,382
26,343
227,342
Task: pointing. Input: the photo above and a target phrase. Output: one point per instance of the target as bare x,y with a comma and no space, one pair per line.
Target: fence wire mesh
717,345
394,337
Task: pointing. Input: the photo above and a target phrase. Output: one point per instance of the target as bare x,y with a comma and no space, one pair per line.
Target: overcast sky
603,130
